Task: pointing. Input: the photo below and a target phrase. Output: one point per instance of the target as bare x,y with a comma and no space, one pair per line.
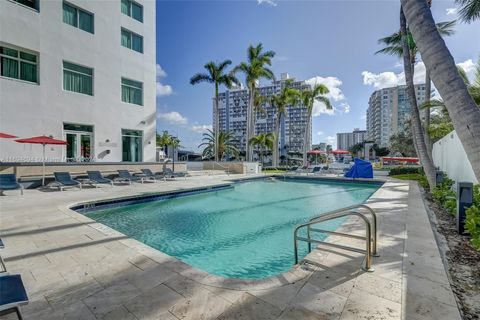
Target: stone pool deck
74,268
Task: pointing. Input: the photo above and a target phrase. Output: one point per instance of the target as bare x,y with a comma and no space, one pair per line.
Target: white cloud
391,79
160,72
467,65
335,94
172,117
201,128
451,11
332,140
320,133
162,89
267,2
345,107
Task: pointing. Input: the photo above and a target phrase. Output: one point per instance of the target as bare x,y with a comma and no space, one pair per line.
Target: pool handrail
370,237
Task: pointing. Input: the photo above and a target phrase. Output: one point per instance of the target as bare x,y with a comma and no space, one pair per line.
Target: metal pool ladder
370,233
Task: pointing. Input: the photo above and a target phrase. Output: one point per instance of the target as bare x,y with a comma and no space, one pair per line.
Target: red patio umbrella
43,140
7,136
340,151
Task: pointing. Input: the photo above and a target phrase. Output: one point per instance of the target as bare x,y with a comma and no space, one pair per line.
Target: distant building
320,146
233,110
345,140
389,111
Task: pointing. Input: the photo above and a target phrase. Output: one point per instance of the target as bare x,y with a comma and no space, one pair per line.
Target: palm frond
325,101
464,75
433,103
469,10
200,77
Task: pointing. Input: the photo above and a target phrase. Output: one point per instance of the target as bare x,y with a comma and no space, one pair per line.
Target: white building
389,111
345,140
233,109
82,71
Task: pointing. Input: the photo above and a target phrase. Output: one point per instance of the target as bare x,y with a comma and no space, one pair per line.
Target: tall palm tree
216,74
254,69
469,10
439,62
394,46
308,97
225,145
264,142
288,96
417,129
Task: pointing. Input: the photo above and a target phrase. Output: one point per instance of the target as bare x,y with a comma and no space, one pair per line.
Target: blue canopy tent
361,169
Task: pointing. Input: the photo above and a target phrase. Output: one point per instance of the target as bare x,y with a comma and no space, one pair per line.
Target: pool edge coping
299,271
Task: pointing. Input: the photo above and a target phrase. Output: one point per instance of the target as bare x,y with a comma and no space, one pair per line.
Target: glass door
72,144
79,142
132,146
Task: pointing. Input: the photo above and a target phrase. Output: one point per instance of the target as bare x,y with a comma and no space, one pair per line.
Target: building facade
81,71
233,117
320,146
389,112
346,140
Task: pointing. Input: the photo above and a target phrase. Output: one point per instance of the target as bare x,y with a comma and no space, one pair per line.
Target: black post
439,177
464,201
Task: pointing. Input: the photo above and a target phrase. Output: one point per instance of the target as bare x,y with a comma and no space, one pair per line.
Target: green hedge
403,170
445,196
472,221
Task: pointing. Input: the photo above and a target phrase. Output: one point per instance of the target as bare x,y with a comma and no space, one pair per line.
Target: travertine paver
75,268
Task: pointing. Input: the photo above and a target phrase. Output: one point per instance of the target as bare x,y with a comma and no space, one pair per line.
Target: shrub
472,221
403,170
444,195
472,224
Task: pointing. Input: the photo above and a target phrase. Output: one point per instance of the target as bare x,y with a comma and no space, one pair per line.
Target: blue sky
331,41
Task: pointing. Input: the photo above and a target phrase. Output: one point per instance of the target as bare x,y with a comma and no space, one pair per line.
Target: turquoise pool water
242,232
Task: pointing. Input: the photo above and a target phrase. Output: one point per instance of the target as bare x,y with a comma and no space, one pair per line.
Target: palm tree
264,142
439,62
308,97
417,129
225,145
216,74
469,10
163,140
287,96
394,46
254,69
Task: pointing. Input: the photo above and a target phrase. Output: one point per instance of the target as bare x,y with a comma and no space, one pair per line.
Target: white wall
28,109
450,157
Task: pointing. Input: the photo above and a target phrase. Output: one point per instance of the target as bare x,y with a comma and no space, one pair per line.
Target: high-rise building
320,146
345,140
233,116
80,71
389,112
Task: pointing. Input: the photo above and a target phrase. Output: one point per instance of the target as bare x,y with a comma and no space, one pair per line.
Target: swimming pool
240,232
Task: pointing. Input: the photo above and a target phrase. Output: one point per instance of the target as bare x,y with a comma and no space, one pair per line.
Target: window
132,40
18,64
132,91
77,18
77,78
132,9
29,3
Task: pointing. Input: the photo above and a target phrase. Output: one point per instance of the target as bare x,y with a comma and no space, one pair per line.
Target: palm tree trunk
217,123
417,130
462,109
426,123
275,153
248,148
305,142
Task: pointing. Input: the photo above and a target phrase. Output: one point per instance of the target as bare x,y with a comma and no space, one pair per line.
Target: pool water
241,232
